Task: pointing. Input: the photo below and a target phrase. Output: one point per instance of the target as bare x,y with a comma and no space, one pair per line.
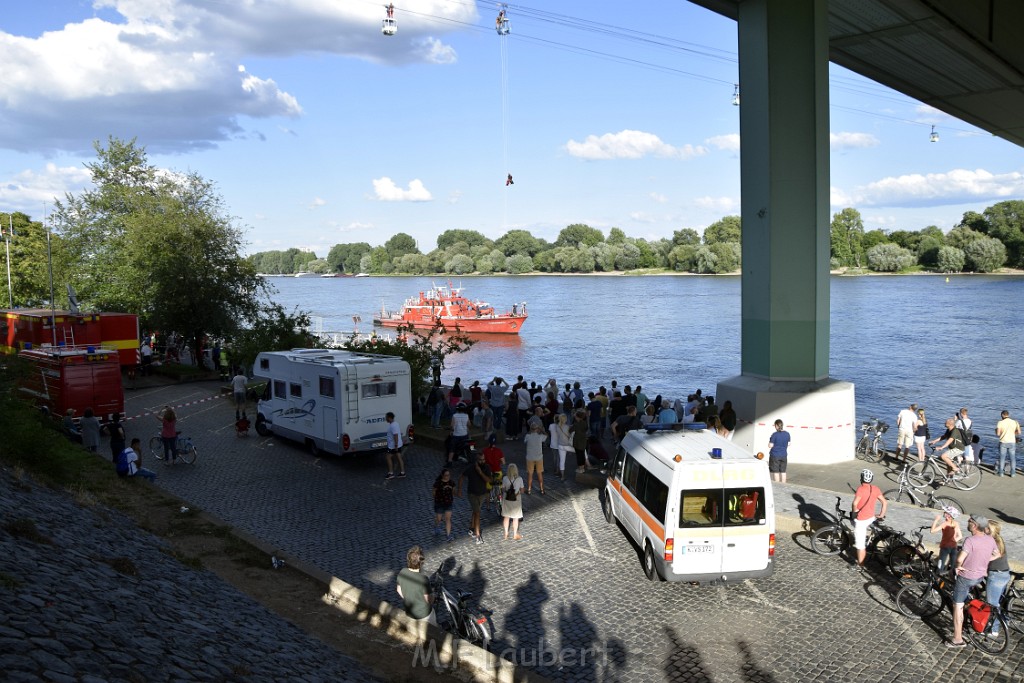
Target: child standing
951,536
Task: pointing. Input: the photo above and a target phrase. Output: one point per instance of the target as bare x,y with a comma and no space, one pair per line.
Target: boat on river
446,304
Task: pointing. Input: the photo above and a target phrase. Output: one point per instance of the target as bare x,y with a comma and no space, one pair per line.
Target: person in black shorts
478,475
777,455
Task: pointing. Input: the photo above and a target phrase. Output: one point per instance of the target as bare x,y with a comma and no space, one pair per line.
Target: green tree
30,280
273,330
616,236
889,258
460,264
685,236
725,230
1006,223
847,233
872,238
318,266
727,255
928,251
413,264
682,258
985,255
470,237
949,260
705,260
160,245
974,221
517,264
344,258
497,258
400,245
961,236
906,239
578,233
380,261
629,257
518,242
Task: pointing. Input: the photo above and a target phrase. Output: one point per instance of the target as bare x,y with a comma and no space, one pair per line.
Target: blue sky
318,129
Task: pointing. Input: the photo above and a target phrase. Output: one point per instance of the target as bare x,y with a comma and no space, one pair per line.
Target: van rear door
698,534
748,518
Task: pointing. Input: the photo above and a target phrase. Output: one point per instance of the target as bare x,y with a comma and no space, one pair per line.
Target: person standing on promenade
414,588
1008,431
971,567
778,452
535,458
444,492
169,434
641,400
435,403
964,423
460,431
524,404
728,418
496,395
905,430
920,433
238,388
594,409
118,438
455,393
579,435
602,397
946,522
394,447
865,501
998,571
512,501
90,428
478,475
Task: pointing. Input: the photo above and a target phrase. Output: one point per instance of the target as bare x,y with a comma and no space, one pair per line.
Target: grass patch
245,553
9,582
26,529
187,560
184,372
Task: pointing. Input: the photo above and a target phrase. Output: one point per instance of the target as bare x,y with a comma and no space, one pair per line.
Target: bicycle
910,561
909,493
835,538
495,494
186,449
925,599
1012,603
452,614
966,478
871,446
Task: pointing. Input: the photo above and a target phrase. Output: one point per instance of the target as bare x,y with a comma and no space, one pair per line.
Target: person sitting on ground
952,445
129,463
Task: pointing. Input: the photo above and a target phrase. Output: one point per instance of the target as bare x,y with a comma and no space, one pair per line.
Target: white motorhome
700,507
333,401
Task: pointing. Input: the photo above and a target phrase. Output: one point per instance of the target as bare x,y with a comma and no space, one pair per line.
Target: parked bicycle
495,494
871,446
835,538
186,449
910,560
925,472
925,599
1012,603
454,616
909,492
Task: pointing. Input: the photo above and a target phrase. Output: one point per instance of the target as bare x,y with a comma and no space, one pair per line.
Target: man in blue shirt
779,441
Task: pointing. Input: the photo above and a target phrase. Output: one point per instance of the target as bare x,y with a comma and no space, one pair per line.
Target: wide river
942,344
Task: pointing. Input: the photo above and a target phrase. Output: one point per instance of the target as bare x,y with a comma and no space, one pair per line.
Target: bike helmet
866,475
951,511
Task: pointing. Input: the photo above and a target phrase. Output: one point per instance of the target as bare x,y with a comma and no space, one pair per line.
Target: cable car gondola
501,24
389,26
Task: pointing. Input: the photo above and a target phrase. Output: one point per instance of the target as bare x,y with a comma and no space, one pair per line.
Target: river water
940,343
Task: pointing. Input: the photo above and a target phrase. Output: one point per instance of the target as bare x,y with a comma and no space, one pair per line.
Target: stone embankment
85,595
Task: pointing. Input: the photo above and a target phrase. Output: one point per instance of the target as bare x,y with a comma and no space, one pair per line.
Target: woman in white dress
512,510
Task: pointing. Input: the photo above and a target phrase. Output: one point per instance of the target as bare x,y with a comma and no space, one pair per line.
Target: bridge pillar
784,170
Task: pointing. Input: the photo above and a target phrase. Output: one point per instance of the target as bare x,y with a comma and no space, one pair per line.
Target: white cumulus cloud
386,191
845,140
629,144
658,197
726,143
27,190
958,186
317,203
720,204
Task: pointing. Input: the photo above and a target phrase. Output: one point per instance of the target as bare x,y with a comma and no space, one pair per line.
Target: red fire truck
73,377
39,326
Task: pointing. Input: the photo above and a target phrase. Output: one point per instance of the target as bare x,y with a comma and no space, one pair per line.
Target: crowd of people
958,441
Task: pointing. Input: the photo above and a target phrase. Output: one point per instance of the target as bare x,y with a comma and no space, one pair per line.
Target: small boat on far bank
447,305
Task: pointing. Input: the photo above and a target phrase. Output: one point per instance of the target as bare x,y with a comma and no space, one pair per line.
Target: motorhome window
264,363
700,507
379,389
327,387
279,389
295,390
744,506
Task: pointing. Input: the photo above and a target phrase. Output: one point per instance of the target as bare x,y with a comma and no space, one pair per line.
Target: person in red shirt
865,500
494,456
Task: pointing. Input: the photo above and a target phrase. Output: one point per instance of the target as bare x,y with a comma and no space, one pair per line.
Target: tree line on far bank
981,243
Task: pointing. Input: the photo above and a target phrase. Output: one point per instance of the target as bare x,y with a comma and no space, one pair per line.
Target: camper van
332,401
698,506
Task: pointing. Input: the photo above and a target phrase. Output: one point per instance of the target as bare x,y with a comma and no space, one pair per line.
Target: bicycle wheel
938,502
1013,613
986,640
968,478
829,540
919,599
901,495
863,446
188,454
886,544
907,562
156,447
921,473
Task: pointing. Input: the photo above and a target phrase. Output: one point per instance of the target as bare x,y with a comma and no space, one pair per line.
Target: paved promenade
574,585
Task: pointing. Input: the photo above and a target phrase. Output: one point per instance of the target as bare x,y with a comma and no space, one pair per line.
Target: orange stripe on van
651,522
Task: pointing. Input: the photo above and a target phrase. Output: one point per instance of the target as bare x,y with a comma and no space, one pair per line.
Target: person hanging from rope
509,181
500,19
391,10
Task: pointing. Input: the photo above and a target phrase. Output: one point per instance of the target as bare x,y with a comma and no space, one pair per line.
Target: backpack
121,466
967,433
510,495
567,403
979,612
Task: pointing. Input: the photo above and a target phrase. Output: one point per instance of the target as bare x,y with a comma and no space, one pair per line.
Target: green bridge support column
784,158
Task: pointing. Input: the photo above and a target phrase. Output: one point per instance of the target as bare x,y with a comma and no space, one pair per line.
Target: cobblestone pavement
86,596
573,585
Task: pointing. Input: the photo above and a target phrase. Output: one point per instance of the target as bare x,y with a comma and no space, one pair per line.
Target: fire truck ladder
69,337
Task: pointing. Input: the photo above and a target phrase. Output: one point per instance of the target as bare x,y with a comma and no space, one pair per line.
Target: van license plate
379,444
700,548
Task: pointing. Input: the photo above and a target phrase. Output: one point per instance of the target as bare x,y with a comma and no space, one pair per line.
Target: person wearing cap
946,522
971,568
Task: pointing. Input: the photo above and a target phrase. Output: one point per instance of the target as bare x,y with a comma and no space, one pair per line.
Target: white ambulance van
699,507
333,401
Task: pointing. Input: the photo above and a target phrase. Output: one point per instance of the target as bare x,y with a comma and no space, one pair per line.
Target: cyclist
952,445
865,500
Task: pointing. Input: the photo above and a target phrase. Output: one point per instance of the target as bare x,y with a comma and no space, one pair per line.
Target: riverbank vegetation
981,243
